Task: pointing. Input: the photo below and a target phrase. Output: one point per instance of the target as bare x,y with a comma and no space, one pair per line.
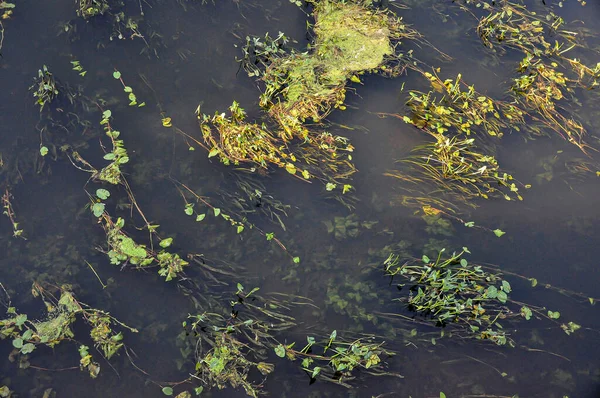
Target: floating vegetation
237,142
45,87
27,334
229,348
123,250
547,74
339,359
472,300
458,170
8,211
351,38
6,9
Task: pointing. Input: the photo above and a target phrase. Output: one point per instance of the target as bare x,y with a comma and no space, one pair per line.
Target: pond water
551,235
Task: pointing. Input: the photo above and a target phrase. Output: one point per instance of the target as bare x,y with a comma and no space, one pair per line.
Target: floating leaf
200,217
166,242
442,395
102,193
315,372
217,211
98,209
167,390
280,351
43,151
117,75
330,186
296,260
290,168
213,152
425,259
240,228
499,232
189,209
166,122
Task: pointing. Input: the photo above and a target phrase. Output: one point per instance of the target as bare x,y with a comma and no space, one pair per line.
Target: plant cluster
123,250
27,334
350,39
470,299
9,212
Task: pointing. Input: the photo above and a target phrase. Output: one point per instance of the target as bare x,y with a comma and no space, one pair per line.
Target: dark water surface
552,235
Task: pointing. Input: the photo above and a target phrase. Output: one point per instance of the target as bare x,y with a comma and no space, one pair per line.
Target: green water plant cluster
45,87
27,334
338,360
350,39
472,300
547,76
459,165
123,250
9,212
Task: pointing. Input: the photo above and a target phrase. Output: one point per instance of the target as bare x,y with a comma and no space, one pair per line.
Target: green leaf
442,395
280,351
469,225
330,186
189,209
109,156
102,193
499,232
553,314
492,292
167,390
506,286
117,74
106,114
200,217
98,209
198,390
43,151
296,260
20,319
27,348
166,242
240,228
425,259
502,296
463,262
127,89
533,281
217,211
213,152
270,235
315,372
17,343
333,335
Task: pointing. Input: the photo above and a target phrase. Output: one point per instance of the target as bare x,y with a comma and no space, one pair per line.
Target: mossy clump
350,39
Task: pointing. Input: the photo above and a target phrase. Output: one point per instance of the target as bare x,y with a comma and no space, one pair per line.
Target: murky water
551,235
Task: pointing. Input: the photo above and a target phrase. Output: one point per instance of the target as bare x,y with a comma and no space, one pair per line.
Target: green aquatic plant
547,73
322,156
472,300
8,211
27,334
123,250
45,88
336,359
351,38
6,9
455,168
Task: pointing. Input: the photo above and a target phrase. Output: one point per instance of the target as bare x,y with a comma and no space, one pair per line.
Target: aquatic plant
341,361
351,38
469,299
547,72
322,156
27,334
44,88
9,212
6,9
123,250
